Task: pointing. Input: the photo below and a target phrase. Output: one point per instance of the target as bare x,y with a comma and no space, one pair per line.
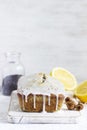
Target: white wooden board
15,115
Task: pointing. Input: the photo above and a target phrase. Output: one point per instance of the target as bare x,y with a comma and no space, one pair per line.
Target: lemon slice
81,91
65,77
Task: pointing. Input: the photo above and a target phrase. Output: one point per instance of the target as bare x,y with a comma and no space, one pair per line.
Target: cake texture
40,93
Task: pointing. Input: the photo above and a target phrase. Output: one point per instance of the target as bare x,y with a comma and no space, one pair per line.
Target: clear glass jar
11,72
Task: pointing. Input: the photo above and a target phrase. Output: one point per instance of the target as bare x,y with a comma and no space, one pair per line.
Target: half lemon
81,92
65,77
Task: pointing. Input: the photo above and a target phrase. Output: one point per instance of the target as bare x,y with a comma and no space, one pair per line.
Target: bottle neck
13,57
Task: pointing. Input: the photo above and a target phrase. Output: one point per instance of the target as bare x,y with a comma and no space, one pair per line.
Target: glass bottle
11,72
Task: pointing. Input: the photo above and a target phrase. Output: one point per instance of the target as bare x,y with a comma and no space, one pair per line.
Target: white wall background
48,33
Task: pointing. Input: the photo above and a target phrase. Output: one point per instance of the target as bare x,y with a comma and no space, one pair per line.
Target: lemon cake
40,93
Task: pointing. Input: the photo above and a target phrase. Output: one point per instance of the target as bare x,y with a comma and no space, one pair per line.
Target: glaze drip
56,102
34,101
43,103
49,100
